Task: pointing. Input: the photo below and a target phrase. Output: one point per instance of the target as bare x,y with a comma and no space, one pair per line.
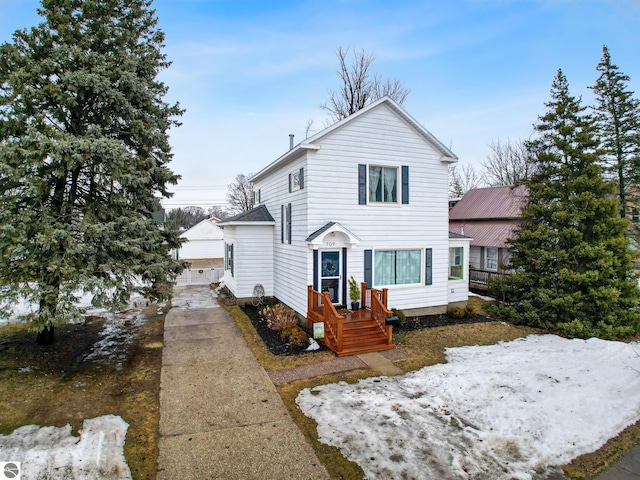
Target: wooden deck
352,333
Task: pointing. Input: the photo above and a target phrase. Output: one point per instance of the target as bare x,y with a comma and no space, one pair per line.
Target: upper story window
379,184
296,180
383,184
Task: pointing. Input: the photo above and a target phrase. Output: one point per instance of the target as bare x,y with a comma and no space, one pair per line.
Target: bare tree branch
463,178
240,194
359,86
509,163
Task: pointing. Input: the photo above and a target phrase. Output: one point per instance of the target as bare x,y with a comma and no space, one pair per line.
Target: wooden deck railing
376,301
374,308
320,309
481,278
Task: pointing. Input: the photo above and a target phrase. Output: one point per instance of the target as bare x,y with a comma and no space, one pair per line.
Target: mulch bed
430,321
271,338
277,346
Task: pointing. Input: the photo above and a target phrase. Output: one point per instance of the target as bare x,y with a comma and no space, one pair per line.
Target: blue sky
249,73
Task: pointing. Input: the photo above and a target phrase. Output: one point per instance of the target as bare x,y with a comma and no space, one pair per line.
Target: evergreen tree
83,150
572,266
618,118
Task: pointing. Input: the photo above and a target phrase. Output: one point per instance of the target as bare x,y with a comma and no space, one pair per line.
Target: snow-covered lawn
504,411
52,452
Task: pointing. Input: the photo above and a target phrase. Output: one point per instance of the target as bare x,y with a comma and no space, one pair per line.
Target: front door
330,269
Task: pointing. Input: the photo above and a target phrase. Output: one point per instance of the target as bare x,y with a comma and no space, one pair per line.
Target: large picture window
397,267
456,263
383,184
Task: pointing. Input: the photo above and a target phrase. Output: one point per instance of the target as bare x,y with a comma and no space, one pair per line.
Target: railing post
309,305
384,297
363,294
389,334
339,333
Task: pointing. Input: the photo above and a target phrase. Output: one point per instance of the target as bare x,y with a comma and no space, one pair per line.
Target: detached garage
205,241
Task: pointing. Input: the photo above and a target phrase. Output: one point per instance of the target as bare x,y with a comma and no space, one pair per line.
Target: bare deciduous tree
240,194
359,86
463,178
510,163
220,213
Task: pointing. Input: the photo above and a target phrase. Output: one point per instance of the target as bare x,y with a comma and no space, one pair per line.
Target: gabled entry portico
330,245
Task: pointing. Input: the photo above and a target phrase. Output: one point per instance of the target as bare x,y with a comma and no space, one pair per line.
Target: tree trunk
45,337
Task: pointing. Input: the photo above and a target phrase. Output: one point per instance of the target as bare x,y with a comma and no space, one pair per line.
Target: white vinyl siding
331,183
252,259
331,194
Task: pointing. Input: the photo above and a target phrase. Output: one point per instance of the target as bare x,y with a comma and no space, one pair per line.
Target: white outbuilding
205,241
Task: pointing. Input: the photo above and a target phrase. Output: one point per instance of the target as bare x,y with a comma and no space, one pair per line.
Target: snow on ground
504,411
52,452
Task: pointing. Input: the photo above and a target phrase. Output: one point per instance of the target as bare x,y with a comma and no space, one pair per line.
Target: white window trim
400,285
398,185
486,260
462,264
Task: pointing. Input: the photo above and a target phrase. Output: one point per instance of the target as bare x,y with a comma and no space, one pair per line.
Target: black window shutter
344,275
405,184
368,268
232,261
259,196
315,270
301,178
289,224
428,271
362,184
290,183
282,221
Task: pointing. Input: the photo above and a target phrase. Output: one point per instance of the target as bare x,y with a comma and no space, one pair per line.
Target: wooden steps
361,334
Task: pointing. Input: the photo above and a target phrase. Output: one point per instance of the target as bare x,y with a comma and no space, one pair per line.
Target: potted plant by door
354,293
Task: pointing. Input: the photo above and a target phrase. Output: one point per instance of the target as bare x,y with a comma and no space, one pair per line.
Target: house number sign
329,244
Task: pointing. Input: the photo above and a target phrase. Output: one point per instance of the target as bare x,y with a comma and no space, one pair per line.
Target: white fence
200,276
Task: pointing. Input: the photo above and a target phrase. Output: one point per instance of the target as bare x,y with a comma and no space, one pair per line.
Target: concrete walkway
220,415
627,468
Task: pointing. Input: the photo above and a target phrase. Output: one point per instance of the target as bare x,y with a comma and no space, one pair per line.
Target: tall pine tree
617,114
83,154
572,266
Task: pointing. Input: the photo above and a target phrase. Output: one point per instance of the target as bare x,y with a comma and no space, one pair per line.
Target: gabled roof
259,214
331,228
207,229
311,142
490,203
485,233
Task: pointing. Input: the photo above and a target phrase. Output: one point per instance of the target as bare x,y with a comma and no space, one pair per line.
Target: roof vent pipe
291,136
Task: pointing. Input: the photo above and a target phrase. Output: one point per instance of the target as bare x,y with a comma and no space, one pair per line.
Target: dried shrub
402,318
470,311
297,337
279,316
456,312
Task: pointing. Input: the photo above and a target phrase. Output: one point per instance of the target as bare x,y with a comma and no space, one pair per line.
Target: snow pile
504,411
52,452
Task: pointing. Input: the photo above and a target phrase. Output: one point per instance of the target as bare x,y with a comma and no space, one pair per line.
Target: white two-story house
366,197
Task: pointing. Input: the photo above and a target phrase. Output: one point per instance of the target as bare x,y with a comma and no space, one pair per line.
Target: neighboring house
366,197
489,216
204,244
